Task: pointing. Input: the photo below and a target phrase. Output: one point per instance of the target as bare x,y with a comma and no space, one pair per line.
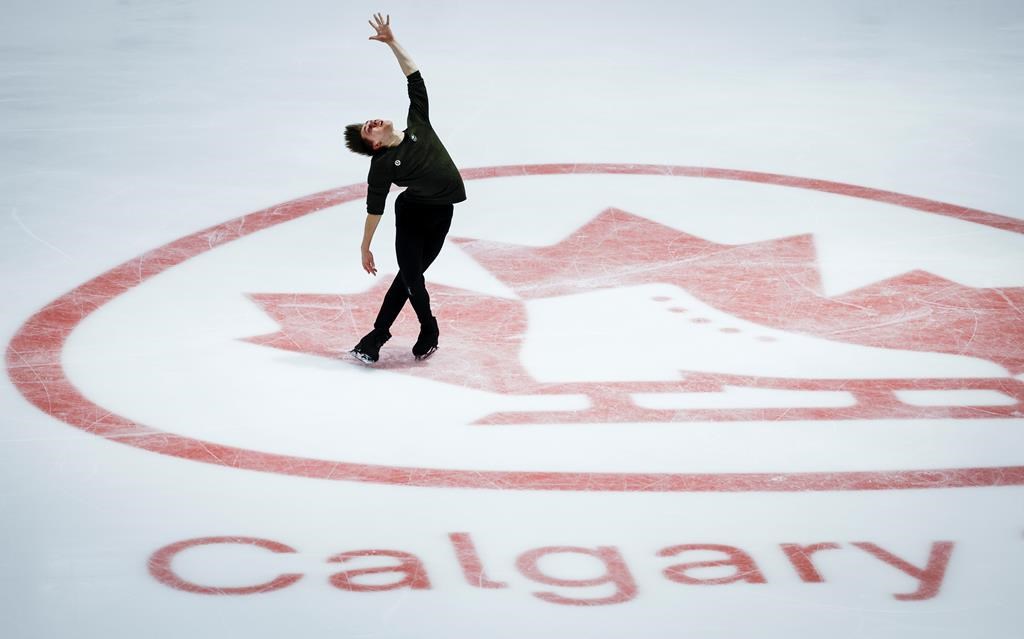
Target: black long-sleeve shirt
420,162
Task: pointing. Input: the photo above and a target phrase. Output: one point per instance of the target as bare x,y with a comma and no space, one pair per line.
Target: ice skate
368,348
426,343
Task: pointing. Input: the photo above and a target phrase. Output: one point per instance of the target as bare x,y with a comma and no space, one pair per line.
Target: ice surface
570,362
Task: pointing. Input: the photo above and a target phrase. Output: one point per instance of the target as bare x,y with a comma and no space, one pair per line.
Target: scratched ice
668,330
732,320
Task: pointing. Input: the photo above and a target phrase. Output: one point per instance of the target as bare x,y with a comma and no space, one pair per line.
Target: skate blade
420,358
362,357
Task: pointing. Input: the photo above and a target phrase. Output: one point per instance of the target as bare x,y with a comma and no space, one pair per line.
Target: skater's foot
426,343
368,348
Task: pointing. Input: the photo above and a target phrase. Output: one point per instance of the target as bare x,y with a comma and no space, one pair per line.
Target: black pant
420,230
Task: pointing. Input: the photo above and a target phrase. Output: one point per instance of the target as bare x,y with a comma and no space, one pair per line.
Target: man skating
416,159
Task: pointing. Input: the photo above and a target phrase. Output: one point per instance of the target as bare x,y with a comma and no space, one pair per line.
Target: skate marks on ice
652,324
501,335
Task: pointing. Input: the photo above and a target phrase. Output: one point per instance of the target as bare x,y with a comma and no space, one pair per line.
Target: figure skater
416,159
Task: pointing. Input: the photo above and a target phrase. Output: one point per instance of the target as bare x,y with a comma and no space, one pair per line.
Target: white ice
125,125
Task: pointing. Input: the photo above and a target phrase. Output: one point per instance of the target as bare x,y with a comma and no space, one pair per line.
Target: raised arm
382,26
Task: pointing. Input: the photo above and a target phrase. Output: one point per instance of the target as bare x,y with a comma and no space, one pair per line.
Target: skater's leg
409,250
418,252
440,222
414,224
392,305
435,238
368,348
405,241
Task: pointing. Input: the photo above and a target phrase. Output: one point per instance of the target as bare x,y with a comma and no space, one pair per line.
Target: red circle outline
34,364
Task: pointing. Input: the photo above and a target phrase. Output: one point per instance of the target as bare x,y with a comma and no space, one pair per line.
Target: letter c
160,566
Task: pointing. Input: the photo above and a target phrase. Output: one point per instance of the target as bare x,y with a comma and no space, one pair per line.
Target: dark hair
354,140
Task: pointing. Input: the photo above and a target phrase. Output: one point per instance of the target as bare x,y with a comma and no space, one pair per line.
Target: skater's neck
396,139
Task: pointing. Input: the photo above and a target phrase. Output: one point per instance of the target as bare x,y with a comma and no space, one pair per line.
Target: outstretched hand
383,28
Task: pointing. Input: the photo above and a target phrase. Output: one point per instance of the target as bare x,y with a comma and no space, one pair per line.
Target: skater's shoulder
382,158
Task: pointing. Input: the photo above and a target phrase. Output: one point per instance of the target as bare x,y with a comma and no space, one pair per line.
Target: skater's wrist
404,60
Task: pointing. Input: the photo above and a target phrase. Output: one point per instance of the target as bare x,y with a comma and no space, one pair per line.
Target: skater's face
378,132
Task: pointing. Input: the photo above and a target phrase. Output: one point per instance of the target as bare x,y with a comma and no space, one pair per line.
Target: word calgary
377,570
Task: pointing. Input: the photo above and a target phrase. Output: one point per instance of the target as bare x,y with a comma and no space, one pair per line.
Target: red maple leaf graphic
775,283
481,334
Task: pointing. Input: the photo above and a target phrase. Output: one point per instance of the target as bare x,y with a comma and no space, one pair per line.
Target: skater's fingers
368,264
